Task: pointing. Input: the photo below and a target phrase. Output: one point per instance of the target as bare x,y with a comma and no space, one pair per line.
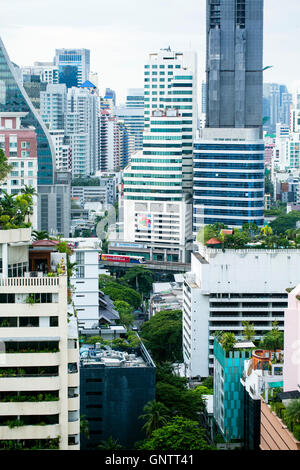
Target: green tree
96,339
208,382
164,373
184,402
269,187
162,334
156,415
274,339
202,390
285,222
139,278
248,331
110,444
42,235
5,168
209,231
250,229
117,290
84,427
293,410
126,294
179,434
125,312
237,240
29,190
228,341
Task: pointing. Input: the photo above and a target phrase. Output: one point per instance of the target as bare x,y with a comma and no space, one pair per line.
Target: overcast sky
121,33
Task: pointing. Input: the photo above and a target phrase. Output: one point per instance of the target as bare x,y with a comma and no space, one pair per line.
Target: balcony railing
29,282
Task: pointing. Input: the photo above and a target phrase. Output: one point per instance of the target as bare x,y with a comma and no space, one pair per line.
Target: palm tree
228,341
42,235
156,415
8,203
29,190
110,444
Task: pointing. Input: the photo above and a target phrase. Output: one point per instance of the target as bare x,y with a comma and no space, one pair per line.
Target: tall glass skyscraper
53,188
13,98
234,63
229,156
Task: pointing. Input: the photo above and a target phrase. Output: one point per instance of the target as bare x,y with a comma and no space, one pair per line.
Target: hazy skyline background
120,34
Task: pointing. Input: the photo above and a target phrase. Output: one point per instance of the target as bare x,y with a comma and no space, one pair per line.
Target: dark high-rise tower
234,63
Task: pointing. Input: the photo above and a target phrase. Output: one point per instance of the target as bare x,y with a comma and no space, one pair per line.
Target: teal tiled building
228,391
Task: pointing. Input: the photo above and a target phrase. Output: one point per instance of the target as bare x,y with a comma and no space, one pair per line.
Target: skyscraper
234,63
82,130
158,182
229,156
133,114
73,66
53,104
13,98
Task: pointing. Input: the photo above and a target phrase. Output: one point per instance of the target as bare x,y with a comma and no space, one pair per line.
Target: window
25,145
54,321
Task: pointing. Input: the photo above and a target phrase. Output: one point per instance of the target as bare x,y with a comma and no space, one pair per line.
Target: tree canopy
139,278
15,210
285,222
162,335
187,403
179,434
155,415
125,312
119,291
227,341
274,339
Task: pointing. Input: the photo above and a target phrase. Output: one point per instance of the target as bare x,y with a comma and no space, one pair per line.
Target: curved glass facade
13,98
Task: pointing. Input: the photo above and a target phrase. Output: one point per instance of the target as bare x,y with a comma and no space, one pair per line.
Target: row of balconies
36,432
246,309
38,382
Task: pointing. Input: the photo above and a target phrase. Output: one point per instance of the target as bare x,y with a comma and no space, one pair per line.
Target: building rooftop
91,356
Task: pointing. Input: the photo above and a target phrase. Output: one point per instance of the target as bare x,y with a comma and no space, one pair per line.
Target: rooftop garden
79,181
271,236
15,210
273,340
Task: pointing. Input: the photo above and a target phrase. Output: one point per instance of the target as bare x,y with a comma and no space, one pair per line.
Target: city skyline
143,30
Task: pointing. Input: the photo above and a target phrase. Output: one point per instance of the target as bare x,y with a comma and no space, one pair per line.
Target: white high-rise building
53,106
158,182
39,364
82,129
224,289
